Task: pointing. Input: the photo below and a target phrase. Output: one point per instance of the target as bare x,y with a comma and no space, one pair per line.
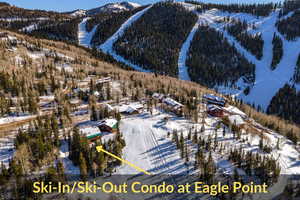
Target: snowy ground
10,119
85,37
69,167
6,150
29,28
148,146
65,66
267,82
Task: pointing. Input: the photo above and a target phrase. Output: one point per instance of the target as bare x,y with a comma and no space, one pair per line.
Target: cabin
131,110
173,105
212,99
103,80
215,111
92,133
108,125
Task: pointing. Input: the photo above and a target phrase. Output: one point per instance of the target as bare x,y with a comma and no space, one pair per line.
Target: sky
65,5
69,5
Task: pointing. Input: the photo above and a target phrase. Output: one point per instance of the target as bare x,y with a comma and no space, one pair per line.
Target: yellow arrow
100,148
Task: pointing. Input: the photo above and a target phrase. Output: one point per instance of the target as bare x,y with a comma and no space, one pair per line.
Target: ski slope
268,81
107,46
148,147
85,37
182,68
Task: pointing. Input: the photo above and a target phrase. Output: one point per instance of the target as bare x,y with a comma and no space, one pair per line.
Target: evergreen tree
83,167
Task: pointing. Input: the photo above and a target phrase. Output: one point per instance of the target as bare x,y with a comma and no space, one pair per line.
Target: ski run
107,47
85,37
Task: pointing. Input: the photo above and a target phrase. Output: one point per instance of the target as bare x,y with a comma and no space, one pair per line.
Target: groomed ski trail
107,46
182,68
85,37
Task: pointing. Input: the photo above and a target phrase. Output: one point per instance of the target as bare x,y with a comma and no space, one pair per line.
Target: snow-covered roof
109,122
213,107
172,102
122,108
89,130
103,80
74,101
96,93
235,110
157,95
109,107
131,106
131,109
214,98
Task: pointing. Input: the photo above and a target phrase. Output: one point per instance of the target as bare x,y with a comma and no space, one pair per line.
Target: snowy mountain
78,13
114,7
110,8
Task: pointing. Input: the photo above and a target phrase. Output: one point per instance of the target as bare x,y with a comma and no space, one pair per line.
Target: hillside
108,24
159,38
213,61
253,30
62,91
154,40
